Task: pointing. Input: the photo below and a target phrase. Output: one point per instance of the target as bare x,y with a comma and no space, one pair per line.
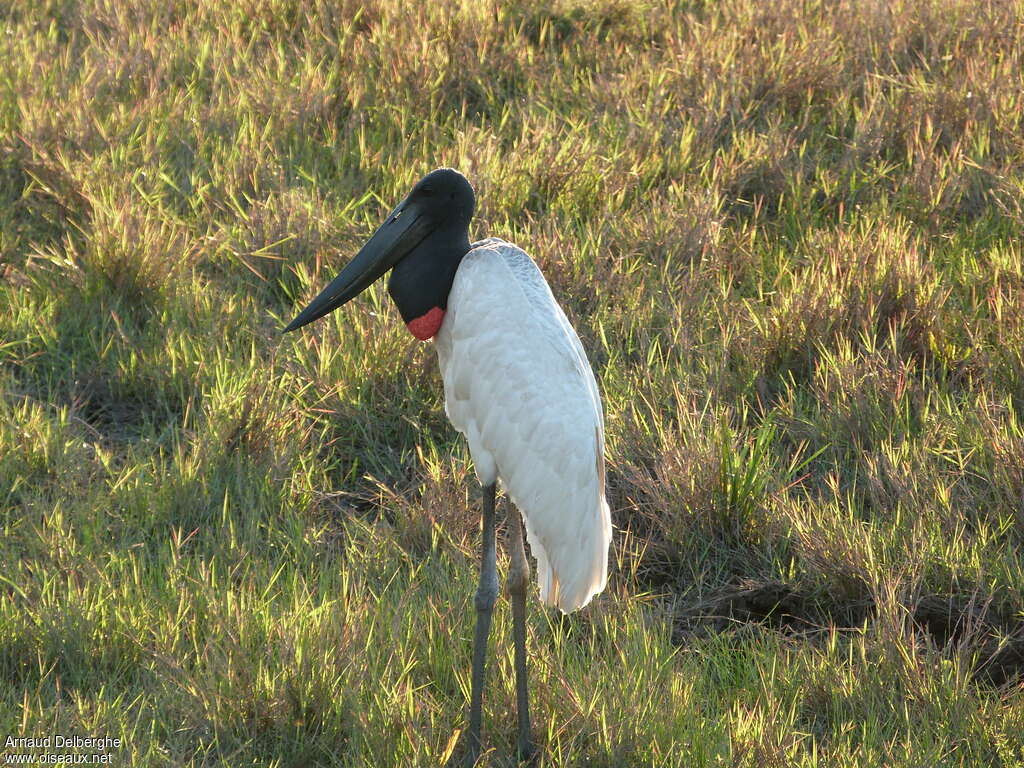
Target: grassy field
789,235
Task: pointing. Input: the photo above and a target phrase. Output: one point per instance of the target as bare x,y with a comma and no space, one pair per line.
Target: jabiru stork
517,384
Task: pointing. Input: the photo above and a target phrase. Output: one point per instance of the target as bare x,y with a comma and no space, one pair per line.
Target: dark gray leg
518,579
486,594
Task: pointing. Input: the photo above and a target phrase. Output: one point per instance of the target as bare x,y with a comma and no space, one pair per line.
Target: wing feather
519,386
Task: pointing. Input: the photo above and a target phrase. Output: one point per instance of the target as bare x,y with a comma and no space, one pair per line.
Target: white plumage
518,384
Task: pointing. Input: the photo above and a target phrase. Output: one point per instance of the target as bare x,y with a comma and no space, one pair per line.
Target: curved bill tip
341,289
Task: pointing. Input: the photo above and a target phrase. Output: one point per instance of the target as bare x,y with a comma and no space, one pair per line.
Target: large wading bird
517,384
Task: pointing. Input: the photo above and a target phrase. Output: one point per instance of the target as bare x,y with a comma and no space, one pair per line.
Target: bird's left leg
486,594
518,580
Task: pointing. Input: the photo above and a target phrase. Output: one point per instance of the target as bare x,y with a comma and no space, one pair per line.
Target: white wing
518,385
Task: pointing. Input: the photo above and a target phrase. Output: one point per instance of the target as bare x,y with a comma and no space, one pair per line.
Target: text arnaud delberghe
62,742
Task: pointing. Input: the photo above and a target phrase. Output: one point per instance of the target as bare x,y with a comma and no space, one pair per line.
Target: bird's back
518,384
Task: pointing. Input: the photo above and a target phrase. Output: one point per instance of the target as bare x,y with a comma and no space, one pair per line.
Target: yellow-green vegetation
789,235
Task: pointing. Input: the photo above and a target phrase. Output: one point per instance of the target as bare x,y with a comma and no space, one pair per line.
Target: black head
424,238
446,196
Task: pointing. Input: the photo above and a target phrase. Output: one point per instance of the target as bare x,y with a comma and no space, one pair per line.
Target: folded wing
518,385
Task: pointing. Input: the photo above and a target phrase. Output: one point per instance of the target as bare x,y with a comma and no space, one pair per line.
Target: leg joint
518,579
486,594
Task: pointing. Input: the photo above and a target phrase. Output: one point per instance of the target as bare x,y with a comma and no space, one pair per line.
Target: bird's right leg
518,580
486,594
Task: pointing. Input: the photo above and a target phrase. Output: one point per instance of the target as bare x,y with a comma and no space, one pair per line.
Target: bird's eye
426,191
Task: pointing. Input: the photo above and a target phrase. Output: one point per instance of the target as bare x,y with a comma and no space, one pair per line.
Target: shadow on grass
95,365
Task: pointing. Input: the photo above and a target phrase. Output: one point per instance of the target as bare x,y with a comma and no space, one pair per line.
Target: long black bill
404,229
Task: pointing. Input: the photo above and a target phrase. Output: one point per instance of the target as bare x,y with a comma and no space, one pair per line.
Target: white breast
518,385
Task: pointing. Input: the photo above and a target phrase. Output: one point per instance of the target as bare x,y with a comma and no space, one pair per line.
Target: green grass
789,235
